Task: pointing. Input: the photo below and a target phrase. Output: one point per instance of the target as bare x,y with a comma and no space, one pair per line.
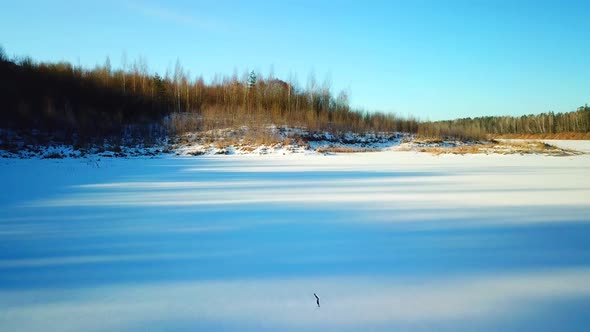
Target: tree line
72,102
538,124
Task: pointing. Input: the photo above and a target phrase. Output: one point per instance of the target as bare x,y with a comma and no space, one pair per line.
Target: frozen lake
390,241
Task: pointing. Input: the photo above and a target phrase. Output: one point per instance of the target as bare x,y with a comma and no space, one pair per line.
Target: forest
77,104
543,124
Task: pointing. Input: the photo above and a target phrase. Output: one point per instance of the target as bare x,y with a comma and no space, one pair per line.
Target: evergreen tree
252,80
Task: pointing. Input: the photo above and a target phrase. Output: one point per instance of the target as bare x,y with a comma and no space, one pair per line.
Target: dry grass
224,142
53,155
343,149
465,149
428,140
247,148
533,147
561,136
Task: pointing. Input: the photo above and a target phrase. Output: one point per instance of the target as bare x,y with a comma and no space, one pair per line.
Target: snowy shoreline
320,146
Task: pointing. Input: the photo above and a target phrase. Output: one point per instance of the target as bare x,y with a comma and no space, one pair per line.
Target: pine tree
252,80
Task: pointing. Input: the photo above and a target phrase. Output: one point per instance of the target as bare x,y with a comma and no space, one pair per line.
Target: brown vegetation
501,147
71,104
556,136
66,99
343,149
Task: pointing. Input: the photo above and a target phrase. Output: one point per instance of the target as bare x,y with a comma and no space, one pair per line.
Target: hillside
58,103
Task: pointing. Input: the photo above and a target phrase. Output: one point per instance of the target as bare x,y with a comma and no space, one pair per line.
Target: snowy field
390,241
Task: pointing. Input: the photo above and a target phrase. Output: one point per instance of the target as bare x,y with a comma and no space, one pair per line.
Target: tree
124,69
107,70
3,56
251,80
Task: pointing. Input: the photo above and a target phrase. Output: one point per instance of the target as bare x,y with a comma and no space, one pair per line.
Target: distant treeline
539,124
69,101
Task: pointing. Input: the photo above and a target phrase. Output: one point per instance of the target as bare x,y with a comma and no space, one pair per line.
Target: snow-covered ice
389,240
576,145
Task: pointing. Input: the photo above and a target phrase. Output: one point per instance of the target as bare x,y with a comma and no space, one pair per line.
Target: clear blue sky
433,59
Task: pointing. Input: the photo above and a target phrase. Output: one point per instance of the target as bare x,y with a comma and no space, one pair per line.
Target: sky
431,59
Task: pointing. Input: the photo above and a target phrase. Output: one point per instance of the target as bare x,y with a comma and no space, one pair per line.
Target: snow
581,146
391,240
575,145
273,140
291,140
